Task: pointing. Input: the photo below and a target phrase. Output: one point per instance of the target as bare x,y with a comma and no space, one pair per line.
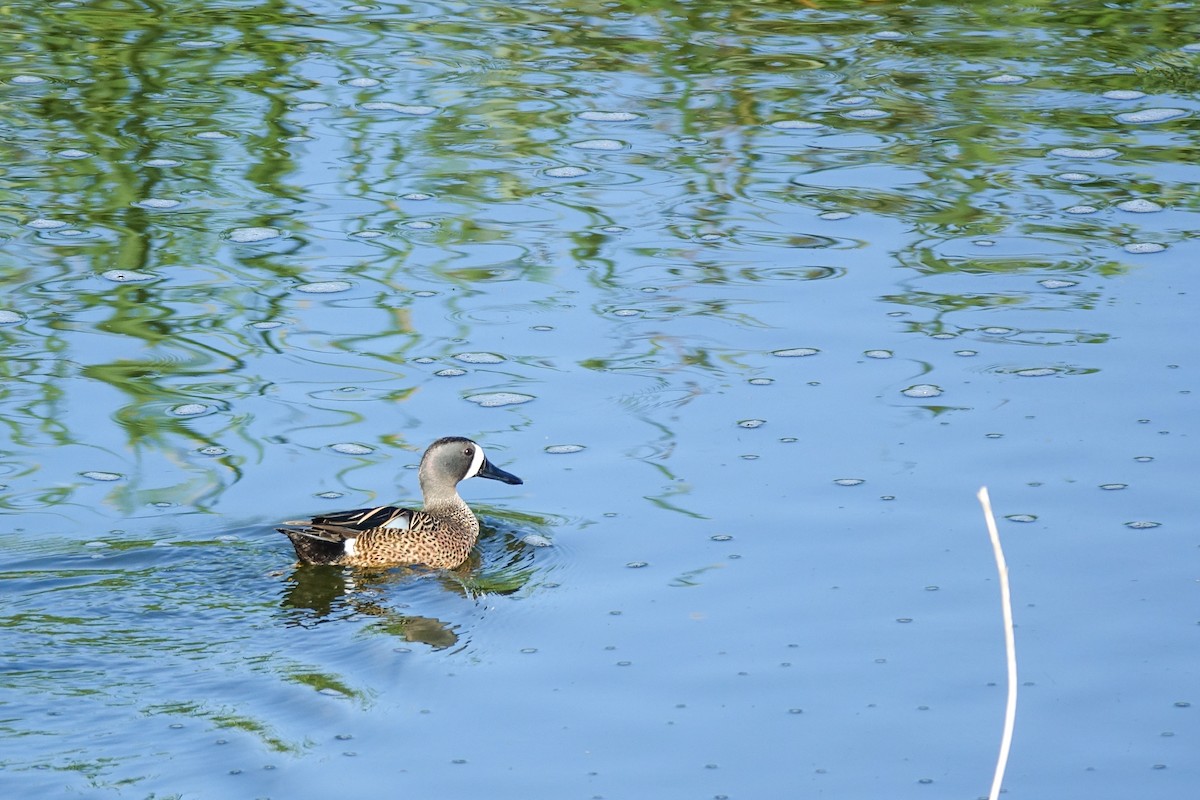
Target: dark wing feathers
320,540
363,519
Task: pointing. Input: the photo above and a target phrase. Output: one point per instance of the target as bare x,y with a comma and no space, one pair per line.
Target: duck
440,536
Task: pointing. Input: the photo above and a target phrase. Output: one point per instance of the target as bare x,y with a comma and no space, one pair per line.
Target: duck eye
467,452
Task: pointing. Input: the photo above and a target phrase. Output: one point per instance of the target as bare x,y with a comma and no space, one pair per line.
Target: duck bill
490,470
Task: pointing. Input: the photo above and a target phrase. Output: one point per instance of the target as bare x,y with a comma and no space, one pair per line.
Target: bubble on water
1139,248
536,540
351,449
362,83
189,409
43,224
1139,206
607,116
996,330
71,232
127,276
1081,210
450,372
598,144
407,110
922,390
212,450
251,235
157,203
213,135
420,225
566,172
867,113
1142,525
966,353
423,360
266,325
324,287
1036,372
329,495
849,481
97,475
418,196
877,353
1080,152
1075,177
1005,79
26,80
10,317
1123,94
1057,283
795,125
857,100
836,215
1113,487
542,328
199,44
564,449
761,381
1143,459
162,162
368,234
795,352
984,243
424,293
627,312
751,423
310,105
499,399
480,358
1021,518
1149,116
637,565
74,153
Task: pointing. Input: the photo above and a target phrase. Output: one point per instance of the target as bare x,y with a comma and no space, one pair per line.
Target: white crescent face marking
476,463
348,547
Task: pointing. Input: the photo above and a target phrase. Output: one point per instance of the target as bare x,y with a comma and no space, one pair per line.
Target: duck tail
313,549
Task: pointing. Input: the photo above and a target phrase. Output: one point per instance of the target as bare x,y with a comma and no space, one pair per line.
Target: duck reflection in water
315,594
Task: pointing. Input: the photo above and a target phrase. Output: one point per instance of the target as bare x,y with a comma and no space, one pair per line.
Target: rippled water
753,297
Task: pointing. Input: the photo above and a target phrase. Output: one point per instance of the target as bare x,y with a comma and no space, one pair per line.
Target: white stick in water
1010,645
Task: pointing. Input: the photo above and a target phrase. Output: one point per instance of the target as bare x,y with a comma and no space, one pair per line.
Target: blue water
794,279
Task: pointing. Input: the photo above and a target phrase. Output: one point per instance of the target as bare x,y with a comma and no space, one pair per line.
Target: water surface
753,298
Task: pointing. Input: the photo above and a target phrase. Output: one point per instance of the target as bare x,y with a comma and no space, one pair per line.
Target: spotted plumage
440,536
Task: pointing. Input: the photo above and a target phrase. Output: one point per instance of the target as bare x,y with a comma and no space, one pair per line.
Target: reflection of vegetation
323,682
139,93
227,720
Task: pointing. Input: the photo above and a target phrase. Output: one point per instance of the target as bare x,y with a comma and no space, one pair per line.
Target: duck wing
322,539
361,520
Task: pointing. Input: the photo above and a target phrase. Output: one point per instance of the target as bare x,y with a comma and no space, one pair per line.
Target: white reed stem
1010,645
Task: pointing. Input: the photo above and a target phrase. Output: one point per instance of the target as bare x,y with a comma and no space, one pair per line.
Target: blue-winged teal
440,536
